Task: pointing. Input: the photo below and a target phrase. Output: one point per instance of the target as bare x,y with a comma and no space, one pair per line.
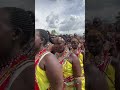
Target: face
94,44
59,44
53,39
74,43
38,40
6,39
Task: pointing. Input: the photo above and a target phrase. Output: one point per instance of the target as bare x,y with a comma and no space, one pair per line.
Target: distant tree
53,32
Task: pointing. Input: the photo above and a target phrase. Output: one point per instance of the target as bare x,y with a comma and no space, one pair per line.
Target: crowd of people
102,55
59,62
82,63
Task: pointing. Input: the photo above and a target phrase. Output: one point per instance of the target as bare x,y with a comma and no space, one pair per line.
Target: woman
48,72
16,49
116,60
75,42
70,65
100,58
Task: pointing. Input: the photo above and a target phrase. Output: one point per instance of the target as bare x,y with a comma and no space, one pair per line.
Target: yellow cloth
68,72
41,78
67,69
80,56
110,71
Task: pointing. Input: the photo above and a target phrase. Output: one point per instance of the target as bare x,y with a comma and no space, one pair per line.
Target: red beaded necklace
39,55
8,71
36,62
62,57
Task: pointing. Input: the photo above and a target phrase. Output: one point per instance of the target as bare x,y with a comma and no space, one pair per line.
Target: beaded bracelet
77,80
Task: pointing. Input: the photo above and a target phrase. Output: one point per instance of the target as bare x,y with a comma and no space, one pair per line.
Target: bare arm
117,77
54,72
116,65
95,80
25,81
76,69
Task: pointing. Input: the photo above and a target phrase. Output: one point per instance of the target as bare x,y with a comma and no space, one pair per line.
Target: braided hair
21,21
44,36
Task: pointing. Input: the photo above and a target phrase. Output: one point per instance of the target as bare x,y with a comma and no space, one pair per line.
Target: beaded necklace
39,55
102,63
62,56
7,71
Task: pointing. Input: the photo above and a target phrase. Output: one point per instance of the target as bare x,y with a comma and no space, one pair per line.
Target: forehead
74,39
37,33
59,39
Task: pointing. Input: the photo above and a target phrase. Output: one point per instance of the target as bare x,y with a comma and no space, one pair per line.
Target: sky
64,16
105,9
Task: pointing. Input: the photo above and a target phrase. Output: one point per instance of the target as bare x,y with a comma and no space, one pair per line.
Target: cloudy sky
106,9
65,16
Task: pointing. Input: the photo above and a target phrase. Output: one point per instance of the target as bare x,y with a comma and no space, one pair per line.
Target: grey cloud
52,20
68,18
70,24
75,8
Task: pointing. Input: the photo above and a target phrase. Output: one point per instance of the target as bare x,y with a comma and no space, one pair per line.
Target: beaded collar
102,65
39,55
8,70
63,56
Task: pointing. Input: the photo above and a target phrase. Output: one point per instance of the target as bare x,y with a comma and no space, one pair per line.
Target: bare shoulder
73,58
50,57
95,78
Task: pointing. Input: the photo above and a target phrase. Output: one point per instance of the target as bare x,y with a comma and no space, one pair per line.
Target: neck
39,49
64,53
99,59
42,48
75,48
